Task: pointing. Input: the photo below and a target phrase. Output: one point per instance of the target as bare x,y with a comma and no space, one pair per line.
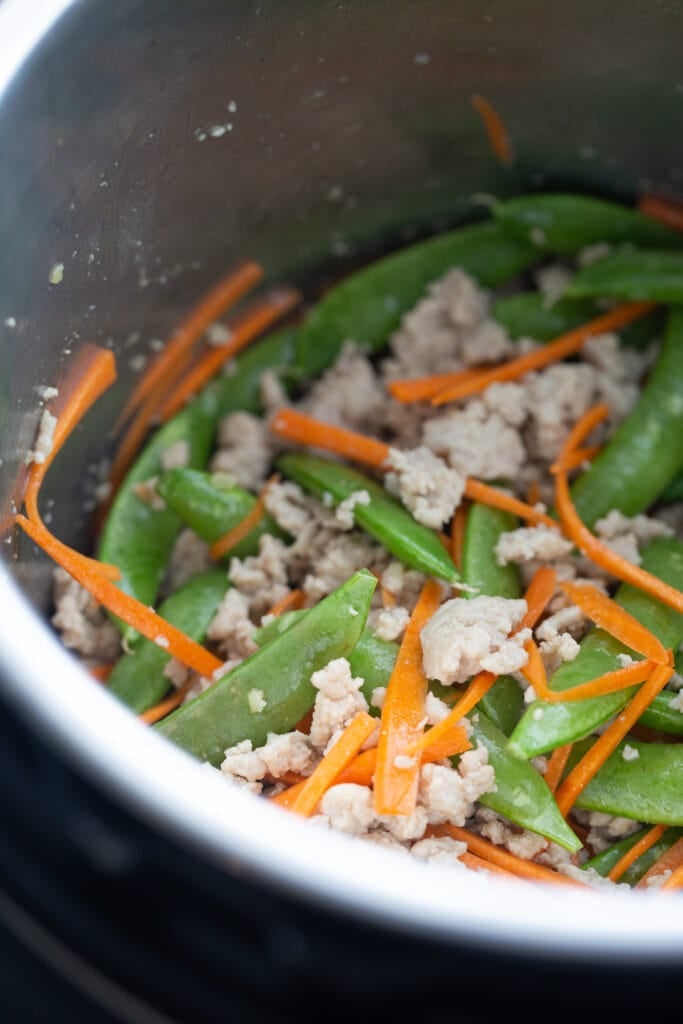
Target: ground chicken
450,794
348,394
476,442
231,628
245,449
465,636
425,485
338,700
530,543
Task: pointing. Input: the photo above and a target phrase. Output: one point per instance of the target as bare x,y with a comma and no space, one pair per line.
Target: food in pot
411,565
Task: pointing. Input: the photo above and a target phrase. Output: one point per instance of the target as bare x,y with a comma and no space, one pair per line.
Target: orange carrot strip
251,324
593,760
477,687
637,850
175,356
361,769
127,608
470,860
538,595
89,377
577,459
675,879
566,345
487,495
585,424
603,556
534,670
402,720
556,765
498,137
420,389
533,494
235,536
335,760
666,211
166,706
458,526
296,426
503,858
293,600
609,682
671,860
100,672
614,619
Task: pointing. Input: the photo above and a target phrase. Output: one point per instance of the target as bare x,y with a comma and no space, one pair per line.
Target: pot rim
219,821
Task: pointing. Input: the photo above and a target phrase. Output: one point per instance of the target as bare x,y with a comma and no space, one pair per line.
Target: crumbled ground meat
338,700
245,449
44,440
231,629
465,636
348,394
425,485
476,442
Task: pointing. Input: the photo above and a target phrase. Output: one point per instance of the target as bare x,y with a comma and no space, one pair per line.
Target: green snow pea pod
480,568
503,705
211,505
522,797
372,658
138,538
264,634
644,785
546,725
384,518
564,223
650,274
138,678
674,492
369,304
604,862
530,315
271,690
643,455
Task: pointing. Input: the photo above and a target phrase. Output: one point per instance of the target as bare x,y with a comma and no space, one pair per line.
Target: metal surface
146,147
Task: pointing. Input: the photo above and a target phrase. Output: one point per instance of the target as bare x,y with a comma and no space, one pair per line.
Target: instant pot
145,148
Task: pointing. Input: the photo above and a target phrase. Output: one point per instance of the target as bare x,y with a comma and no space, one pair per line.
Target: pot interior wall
148,147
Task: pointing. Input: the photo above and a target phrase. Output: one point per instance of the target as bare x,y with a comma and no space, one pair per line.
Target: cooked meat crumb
465,636
425,485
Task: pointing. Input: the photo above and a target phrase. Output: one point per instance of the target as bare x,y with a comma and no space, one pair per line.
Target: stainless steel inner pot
146,147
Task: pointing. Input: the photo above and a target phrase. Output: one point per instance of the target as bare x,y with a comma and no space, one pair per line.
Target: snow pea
522,797
372,658
480,568
271,690
503,704
369,304
650,274
545,725
211,505
530,315
564,223
644,786
384,518
674,491
604,862
138,678
643,454
138,538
